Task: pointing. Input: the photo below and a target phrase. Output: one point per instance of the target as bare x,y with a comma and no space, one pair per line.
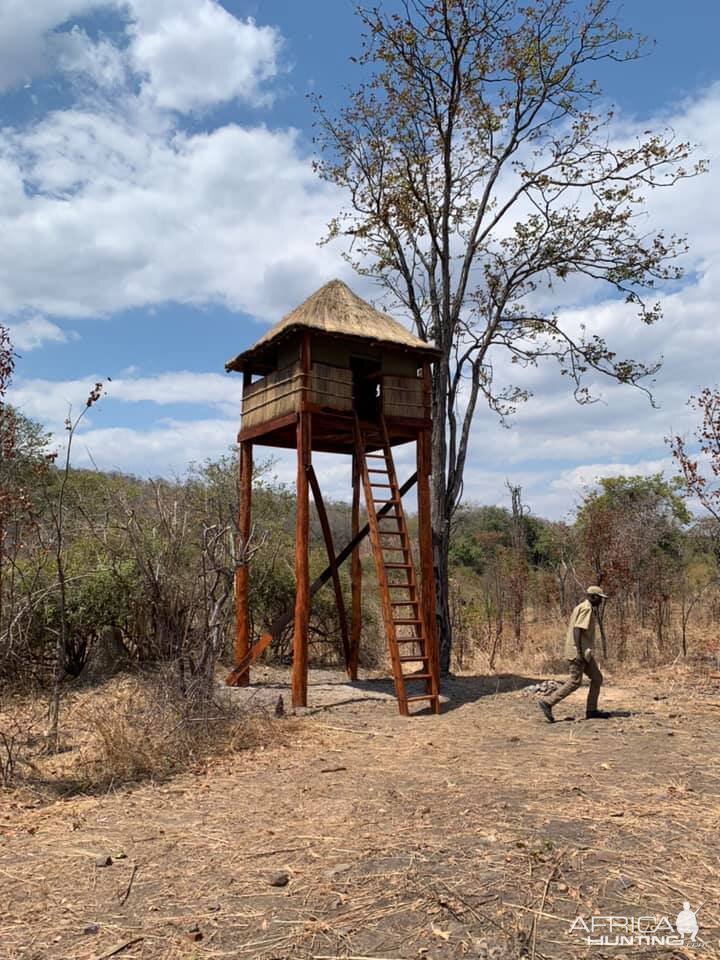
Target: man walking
579,650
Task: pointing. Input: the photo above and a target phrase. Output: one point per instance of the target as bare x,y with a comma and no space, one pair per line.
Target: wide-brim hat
596,592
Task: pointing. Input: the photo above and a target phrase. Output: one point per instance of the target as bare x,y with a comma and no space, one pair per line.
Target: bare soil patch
483,832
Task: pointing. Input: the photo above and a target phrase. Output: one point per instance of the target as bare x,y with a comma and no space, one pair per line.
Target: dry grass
481,833
129,729
542,644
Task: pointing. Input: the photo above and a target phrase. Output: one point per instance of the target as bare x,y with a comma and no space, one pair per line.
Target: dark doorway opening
366,387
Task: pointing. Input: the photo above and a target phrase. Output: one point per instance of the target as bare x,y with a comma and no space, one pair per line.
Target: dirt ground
484,832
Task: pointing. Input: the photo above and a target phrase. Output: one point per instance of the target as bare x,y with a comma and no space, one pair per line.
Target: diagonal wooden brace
279,624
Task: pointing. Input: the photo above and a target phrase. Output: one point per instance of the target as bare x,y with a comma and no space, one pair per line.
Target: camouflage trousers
577,668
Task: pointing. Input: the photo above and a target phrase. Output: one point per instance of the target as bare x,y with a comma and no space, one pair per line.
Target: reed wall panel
281,392
273,396
331,387
403,397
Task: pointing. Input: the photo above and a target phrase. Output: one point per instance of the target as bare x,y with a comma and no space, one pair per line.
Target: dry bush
149,730
19,739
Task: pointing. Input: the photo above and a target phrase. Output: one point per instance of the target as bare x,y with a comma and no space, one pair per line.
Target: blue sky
158,210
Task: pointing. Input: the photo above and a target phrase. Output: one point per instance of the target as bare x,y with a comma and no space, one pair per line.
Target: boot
597,715
547,711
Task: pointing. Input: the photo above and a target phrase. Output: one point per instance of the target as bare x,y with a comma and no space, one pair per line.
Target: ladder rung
405,623
401,586
413,659
404,603
397,566
417,676
387,486
409,640
370,470
391,500
375,456
422,696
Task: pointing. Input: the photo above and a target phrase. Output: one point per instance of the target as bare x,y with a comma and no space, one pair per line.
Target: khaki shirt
583,616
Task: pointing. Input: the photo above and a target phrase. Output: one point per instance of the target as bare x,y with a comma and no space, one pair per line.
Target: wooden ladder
400,600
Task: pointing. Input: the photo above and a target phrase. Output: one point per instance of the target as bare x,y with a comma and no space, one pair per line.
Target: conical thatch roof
335,310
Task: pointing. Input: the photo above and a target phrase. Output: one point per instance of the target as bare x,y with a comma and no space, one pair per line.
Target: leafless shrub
16,741
151,729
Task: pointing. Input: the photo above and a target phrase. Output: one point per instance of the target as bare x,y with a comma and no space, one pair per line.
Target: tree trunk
440,510
441,561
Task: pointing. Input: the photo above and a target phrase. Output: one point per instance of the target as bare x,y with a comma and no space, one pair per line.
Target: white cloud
100,61
49,400
589,474
34,332
111,204
163,449
123,217
194,54
24,28
189,54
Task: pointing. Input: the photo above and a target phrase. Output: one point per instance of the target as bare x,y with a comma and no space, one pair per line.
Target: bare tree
7,443
518,564
480,171
57,511
701,471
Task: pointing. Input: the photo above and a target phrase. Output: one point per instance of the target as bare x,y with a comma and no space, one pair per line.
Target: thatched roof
335,310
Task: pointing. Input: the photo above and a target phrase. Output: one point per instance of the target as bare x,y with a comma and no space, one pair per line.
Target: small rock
562,888
91,928
104,860
514,740
213,908
194,933
279,879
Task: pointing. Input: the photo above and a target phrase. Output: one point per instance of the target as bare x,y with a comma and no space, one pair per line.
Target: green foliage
97,596
480,534
653,494
157,560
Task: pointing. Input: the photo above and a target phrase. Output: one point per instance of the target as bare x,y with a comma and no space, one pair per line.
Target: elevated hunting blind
337,376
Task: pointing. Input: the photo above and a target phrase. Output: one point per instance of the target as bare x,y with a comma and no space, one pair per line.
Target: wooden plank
286,420
242,667
355,574
302,536
334,574
242,571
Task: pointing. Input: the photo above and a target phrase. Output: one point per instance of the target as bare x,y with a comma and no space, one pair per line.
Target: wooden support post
242,572
302,534
355,574
424,469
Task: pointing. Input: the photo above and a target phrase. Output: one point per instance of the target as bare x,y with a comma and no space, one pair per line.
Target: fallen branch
119,948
